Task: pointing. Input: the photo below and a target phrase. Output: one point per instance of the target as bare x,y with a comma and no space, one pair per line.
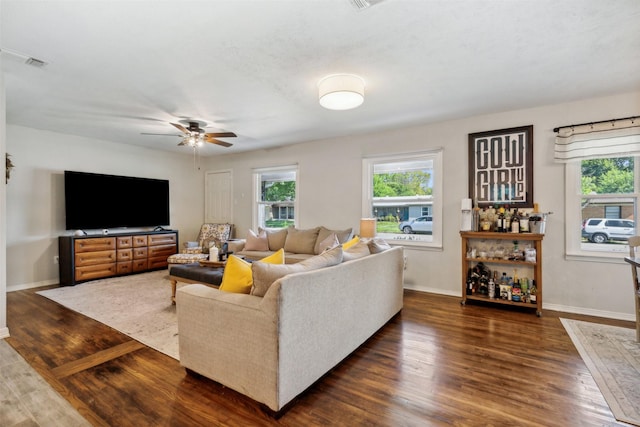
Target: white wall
4,332
35,194
330,194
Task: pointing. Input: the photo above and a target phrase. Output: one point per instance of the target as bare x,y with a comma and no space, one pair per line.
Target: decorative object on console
341,91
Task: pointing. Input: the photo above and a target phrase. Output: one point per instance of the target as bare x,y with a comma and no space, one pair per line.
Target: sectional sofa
311,316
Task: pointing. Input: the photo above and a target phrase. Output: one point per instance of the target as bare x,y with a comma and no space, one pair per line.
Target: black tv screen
96,201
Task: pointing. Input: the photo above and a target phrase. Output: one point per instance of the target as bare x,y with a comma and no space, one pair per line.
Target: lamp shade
367,227
341,91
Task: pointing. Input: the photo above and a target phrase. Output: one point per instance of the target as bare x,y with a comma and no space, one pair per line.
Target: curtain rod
594,123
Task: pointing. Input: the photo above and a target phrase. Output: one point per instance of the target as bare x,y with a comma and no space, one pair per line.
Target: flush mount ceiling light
341,91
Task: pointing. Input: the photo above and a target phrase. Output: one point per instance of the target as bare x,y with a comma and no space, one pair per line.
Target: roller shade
617,138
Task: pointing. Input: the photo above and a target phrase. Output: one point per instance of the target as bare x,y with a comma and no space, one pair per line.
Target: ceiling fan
195,136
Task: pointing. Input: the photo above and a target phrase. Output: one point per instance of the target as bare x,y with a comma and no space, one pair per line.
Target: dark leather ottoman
193,273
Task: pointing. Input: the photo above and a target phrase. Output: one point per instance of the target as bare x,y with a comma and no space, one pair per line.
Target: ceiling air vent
360,4
29,60
35,62
364,4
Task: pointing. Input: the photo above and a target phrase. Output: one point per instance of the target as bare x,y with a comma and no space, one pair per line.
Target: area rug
138,306
613,357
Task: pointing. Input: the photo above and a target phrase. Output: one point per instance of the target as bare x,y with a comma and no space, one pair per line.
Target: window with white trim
404,193
602,196
602,181
275,192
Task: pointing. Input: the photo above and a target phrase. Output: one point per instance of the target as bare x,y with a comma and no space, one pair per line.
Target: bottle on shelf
524,223
500,220
506,224
515,222
533,292
516,290
524,285
492,289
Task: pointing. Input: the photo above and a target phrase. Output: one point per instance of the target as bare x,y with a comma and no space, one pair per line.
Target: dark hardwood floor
436,363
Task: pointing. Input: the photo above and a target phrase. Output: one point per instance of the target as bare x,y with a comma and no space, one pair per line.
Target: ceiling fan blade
180,127
220,135
181,143
159,134
215,141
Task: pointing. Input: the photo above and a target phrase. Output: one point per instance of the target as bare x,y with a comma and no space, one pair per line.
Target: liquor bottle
524,223
516,289
500,221
507,219
492,289
533,292
515,222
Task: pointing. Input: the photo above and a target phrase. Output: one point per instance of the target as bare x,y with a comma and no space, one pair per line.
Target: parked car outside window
422,224
602,230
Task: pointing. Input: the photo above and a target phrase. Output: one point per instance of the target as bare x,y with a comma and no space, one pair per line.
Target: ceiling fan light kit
341,91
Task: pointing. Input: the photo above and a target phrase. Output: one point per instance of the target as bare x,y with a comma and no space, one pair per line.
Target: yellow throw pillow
350,243
237,276
274,258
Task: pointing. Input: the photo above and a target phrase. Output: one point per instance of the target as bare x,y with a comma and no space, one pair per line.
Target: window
602,195
612,211
403,192
275,192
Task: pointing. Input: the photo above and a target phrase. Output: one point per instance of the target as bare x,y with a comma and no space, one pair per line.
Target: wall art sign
501,167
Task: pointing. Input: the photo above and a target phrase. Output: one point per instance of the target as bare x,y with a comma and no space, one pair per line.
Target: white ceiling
119,68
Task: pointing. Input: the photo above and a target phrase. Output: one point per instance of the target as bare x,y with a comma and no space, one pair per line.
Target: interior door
218,197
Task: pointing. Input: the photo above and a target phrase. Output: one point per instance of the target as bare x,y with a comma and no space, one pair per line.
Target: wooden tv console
85,258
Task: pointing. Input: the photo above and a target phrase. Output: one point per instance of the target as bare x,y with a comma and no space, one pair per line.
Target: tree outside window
607,191
400,192
276,197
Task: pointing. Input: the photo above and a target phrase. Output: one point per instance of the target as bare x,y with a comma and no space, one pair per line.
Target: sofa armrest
236,245
230,338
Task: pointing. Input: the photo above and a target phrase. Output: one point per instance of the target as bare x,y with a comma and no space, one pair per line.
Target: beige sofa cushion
257,242
330,242
276,238
341,235
378,245
265,274
356,251
301,241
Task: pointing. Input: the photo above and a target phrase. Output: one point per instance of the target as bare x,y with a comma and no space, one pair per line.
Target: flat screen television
96,201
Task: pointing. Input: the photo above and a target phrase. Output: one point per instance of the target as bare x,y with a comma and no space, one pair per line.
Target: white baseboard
590,312
31,285
555,307
4,333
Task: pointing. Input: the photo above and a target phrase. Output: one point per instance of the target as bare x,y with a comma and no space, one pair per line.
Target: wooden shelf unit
536,267
85,258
